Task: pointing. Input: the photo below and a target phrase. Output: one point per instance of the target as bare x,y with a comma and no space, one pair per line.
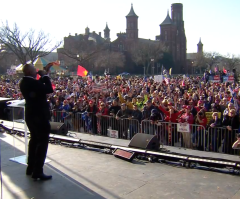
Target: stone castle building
172,33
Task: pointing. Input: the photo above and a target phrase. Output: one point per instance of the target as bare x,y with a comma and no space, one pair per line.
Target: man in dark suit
37,116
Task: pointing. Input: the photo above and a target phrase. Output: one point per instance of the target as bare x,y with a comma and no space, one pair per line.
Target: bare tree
82,50
109,59
26,45
144,51
231,61
200,62
211,59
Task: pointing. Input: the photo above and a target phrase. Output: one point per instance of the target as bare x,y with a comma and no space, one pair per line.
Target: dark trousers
39,128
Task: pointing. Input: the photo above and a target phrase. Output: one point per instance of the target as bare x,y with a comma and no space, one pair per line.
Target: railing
169,135
220,139
213,139
99,125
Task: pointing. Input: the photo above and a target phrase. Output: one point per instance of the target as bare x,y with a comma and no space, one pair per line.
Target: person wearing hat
187,117
126,99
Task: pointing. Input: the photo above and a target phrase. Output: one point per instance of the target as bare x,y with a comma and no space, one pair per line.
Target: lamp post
144,71
158,66
192,67
152,60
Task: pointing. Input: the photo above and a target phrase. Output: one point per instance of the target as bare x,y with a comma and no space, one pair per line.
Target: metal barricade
125,127
97,124
220,139
168,134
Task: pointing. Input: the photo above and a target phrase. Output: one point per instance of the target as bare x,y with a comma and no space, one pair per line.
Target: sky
215,21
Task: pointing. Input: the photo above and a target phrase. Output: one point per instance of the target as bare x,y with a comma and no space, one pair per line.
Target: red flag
53,86
38,77
224,70
81,71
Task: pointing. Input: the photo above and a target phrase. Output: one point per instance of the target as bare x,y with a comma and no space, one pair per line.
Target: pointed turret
87,31
132,25
200,42
167,20
131,13
200,46
106,32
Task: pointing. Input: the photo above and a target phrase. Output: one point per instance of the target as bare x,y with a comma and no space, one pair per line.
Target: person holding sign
188,118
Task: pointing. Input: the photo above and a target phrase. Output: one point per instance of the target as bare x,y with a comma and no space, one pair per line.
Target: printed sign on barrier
228,78
112,133
214,78
183,127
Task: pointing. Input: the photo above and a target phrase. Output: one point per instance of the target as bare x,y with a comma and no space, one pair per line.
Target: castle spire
131,13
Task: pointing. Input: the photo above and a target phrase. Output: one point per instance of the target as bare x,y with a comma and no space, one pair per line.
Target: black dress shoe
29,171
41,176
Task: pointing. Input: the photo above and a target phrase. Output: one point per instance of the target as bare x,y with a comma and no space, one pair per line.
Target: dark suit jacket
35,94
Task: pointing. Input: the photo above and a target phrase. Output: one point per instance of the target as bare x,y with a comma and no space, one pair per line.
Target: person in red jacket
171,116
188,118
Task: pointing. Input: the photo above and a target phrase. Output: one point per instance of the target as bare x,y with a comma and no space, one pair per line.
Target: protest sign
209,116
214,78
183,127
112,133
228,78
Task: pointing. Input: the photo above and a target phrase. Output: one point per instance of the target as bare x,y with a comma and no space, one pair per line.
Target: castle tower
87,31
132,25
166,31
179,49
106,32
200,47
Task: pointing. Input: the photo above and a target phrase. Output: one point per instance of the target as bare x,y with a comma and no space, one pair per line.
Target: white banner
158,78
99,88
112,133
183,127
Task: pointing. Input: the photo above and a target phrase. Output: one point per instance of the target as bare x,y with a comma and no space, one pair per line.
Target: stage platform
88,174
122,142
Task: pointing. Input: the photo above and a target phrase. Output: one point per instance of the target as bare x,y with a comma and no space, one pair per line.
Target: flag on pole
90,76
82,71
224,70
170,71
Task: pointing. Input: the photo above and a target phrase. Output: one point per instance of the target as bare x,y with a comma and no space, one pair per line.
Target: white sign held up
183,127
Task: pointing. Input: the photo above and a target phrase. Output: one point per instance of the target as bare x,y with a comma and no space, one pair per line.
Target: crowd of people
120,101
